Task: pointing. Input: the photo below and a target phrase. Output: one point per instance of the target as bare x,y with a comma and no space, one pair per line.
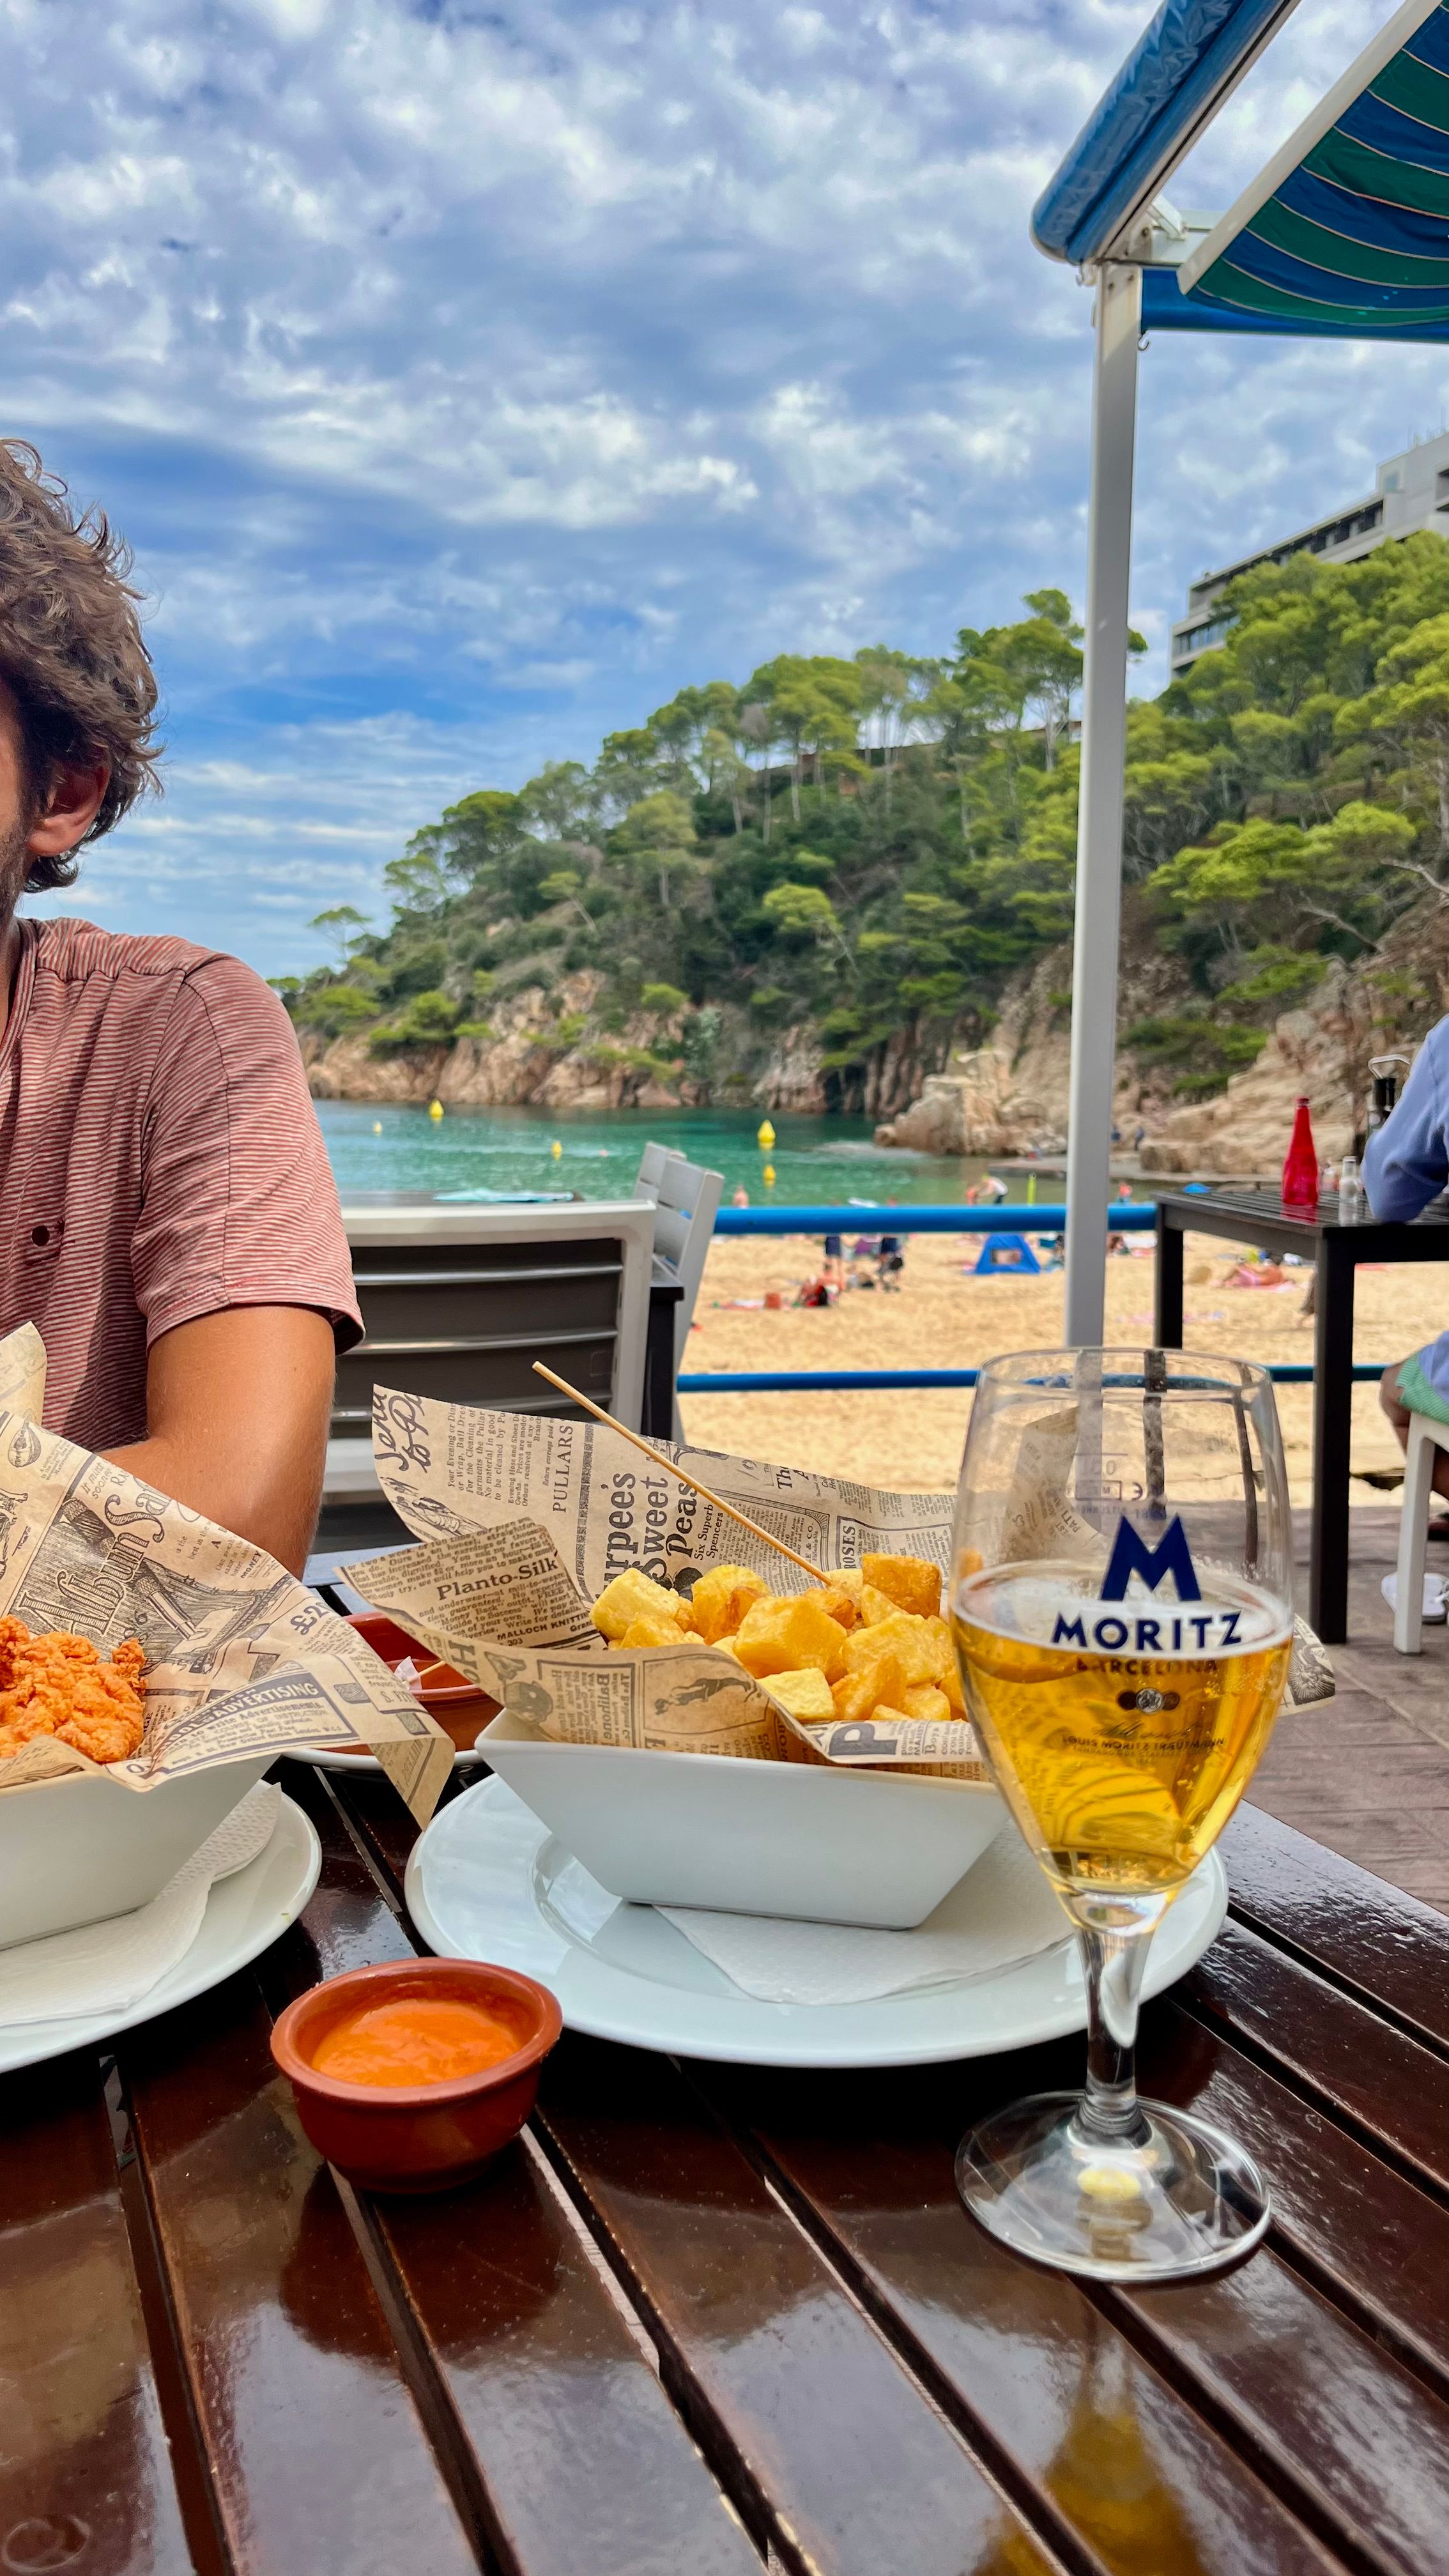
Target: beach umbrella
1343,235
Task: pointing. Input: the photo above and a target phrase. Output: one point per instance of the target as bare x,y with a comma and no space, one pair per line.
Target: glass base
1182,2200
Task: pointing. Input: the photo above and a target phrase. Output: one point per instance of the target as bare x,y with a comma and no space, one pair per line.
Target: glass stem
1114,1957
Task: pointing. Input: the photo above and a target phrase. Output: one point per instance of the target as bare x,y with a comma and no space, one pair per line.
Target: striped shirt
160,1159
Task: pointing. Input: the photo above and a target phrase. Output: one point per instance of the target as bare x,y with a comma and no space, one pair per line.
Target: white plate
321,1760
488,1881
244,1915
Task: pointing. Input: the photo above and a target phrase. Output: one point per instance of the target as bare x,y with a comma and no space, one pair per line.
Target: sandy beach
944,1319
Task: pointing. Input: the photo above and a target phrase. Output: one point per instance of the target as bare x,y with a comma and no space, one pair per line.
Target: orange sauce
418,2039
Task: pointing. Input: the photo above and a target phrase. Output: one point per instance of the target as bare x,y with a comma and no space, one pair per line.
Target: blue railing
1010,1216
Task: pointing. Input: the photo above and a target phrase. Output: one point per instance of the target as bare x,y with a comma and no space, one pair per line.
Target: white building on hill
1413,493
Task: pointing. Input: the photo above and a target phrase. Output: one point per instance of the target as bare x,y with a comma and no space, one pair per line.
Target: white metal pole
1099,825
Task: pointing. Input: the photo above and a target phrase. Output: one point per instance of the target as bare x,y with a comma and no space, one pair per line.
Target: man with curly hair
168,1219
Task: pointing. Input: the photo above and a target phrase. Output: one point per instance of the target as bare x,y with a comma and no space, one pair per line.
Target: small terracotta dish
417,2137
461,1709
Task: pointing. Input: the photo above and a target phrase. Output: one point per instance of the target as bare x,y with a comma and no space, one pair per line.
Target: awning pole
1099,824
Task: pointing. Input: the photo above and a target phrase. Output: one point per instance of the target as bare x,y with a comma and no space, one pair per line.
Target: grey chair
685,1197
457,1303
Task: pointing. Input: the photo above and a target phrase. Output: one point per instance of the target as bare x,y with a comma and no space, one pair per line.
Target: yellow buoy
769,1176
435,1109
766,1136
377,1126
556,1150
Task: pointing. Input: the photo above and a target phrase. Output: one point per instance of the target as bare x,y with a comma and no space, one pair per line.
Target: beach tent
1345,235
1005,1255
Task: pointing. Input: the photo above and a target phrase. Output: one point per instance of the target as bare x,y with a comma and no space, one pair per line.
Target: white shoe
1436,1608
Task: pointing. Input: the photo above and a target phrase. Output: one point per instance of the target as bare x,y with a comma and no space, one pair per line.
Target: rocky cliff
549,1050
1011,1095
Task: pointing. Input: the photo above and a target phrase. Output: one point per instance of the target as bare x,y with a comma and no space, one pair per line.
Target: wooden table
1257,1217
705,2320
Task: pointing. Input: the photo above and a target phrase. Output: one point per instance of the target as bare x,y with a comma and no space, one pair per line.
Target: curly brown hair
71,651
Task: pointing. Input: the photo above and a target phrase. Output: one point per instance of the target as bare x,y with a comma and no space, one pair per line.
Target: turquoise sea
816,1161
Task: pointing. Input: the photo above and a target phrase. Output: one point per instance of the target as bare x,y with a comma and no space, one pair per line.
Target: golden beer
1122,1734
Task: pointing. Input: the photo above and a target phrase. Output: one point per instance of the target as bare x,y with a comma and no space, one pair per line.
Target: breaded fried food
60,1684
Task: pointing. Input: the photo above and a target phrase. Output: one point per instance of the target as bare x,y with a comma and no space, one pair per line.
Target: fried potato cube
858,1692
903,1636
950,1683
785,1635
805,1694
721,1599
923,1699
847,1579
911,1581
875,1606
651,1628
633,1596
842,1605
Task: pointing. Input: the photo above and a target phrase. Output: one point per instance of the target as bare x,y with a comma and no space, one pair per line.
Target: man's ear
70,809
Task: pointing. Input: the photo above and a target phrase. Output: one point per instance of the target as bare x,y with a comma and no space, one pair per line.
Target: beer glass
1122,1609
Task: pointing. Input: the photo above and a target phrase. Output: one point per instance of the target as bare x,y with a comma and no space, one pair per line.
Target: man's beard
14,872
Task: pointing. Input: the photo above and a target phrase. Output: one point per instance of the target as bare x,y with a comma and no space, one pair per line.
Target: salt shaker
1352,1205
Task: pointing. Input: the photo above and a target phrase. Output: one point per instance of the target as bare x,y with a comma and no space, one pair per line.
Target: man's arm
237,1406
1406,1163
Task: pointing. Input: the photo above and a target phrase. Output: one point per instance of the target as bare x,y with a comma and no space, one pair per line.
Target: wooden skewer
656,1459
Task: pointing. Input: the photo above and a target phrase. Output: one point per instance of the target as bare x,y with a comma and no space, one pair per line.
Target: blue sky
469,378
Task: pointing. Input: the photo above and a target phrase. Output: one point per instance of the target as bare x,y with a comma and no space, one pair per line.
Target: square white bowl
813,1843
82,1848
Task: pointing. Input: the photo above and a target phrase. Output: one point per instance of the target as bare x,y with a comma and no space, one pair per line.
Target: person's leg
1407,1377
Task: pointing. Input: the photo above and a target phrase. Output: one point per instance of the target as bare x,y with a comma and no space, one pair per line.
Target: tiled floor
1368,1773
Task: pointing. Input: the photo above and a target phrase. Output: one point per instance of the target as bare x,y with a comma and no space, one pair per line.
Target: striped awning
1346,232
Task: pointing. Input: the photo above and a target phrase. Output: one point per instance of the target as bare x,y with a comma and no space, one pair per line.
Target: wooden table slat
1359,2066
85,2468
1366,2232
1321,2408
316,2450
1020,2352
1356,1929
853,2472
580,2459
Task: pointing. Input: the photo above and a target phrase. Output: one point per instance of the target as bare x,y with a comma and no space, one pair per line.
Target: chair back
457,1303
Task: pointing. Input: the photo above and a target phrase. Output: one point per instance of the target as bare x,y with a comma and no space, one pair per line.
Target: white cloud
470,381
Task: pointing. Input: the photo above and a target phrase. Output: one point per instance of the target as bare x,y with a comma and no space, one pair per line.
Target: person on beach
1405,1165
168,1218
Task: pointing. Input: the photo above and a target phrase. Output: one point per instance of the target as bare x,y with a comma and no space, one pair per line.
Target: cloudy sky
468,378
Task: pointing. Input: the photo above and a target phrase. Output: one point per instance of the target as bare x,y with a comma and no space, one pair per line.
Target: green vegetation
738,864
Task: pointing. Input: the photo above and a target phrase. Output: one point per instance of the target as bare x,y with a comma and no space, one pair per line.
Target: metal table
702,2321
1257,1217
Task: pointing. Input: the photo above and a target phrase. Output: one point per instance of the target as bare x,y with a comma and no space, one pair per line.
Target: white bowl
81,1848
796,1839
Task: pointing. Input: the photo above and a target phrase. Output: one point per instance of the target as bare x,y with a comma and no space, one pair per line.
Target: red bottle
1300,1167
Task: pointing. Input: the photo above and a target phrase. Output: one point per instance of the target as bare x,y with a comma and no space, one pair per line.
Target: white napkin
1002,1912
107,1967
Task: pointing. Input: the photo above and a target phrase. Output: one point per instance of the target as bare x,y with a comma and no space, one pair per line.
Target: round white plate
488,1881
464,1759
244,1915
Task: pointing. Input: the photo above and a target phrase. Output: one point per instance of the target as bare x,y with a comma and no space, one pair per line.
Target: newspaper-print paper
524,1519
241,1658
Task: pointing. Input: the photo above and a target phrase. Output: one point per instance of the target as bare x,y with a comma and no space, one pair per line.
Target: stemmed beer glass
1122,1607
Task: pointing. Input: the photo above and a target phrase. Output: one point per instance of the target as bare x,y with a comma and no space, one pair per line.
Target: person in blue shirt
1405,1165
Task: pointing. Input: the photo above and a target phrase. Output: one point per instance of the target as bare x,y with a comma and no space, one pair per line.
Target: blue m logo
1132,1555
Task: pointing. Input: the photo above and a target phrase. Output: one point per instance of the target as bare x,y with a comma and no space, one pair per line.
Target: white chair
1424,1438
685,1198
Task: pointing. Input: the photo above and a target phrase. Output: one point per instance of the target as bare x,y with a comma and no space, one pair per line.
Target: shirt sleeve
239,1207
1406,1161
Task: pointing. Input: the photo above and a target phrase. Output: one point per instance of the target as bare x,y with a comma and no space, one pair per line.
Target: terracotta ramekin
423,2137
393,1645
